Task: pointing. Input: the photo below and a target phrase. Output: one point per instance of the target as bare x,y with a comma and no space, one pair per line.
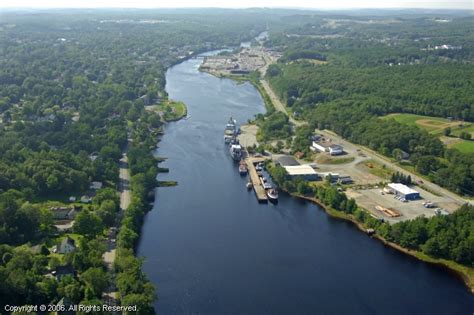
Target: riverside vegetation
73,90
365,72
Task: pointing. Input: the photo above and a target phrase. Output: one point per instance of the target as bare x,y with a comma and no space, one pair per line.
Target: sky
319,4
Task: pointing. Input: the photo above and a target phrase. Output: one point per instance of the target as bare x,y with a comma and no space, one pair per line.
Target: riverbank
466,274
277,246
463,272
254,80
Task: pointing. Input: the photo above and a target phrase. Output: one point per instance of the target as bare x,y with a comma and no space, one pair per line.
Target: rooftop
304,169
287,160
402,188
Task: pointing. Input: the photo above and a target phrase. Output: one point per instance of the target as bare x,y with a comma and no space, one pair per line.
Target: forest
73,91
331,85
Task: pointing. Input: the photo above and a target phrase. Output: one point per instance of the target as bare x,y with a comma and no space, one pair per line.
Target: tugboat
242,168
231,130
272,194
235,151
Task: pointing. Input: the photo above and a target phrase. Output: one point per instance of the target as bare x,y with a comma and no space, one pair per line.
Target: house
95,185
67,245
63,213
345,180
62,271
403,191
65,306
404,155
93,156
335,149
304,171
299,155
86,199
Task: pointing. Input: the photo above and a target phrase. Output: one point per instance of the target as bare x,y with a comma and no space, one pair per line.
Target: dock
254,178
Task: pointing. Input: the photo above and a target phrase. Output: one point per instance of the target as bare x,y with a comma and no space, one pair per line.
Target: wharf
256,183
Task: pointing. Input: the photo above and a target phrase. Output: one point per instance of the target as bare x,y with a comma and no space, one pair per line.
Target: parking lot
371,198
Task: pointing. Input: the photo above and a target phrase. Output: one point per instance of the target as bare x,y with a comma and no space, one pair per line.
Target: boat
242,168
272,194
249,185
231,130
235,151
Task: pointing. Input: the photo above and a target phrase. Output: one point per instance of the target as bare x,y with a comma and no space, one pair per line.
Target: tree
88,224
143,302
447,131
96,279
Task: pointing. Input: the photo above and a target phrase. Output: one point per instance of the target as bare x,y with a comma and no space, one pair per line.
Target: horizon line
235,8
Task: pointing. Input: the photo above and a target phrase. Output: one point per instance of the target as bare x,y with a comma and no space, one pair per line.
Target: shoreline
464,273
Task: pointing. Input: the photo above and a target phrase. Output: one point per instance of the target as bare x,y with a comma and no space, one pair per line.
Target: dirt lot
370,198
248,135
354,167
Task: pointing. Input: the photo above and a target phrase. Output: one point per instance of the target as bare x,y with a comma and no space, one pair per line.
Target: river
210,248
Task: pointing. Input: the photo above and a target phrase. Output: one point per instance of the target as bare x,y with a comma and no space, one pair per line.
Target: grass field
324,159
376,169
170,110
464,146
436,126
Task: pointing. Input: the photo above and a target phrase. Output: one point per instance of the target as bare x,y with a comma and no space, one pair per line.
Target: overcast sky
323,4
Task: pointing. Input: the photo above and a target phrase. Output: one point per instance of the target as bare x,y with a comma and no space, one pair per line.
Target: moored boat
231,130
272,194
242,168
235,151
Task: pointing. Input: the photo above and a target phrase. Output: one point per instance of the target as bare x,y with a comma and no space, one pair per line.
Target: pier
254,178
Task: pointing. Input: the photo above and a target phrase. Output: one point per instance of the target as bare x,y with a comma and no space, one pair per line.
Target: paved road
273,97
124,186
111,294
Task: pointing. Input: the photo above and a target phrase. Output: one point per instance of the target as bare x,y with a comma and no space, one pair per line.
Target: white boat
272,194
235,151
231,130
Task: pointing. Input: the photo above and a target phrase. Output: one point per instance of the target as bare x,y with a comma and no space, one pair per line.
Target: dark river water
210,248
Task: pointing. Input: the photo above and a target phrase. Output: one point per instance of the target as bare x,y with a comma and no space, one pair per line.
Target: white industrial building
305,171
333,149
403,191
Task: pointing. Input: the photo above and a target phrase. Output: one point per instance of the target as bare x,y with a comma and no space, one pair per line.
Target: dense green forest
73,89
365,70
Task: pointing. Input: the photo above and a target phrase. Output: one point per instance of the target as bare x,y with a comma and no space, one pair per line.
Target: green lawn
464,146
376,169
468,127
332,160
434,125
171,110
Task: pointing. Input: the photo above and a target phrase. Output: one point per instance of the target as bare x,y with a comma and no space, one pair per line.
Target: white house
335,149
